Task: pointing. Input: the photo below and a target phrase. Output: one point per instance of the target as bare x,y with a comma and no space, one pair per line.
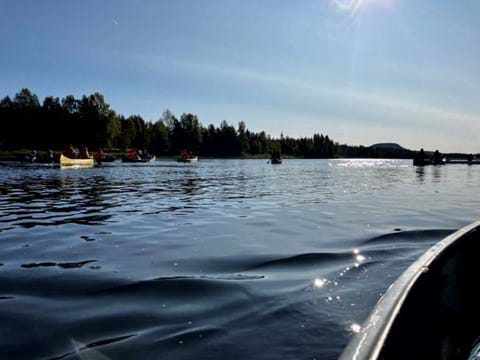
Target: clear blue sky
363,72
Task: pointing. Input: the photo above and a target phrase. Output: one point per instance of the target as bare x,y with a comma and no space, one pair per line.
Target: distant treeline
55,123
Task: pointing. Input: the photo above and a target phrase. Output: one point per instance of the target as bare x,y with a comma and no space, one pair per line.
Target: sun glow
355,7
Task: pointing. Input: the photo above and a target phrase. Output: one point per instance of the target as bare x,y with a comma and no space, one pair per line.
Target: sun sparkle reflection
318,283
355,328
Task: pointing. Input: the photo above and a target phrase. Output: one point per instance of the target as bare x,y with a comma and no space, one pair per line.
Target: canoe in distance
424,162
432,310
66,162
126,159
187,159
105,159
463,162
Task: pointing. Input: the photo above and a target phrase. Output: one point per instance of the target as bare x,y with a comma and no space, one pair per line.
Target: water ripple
222,259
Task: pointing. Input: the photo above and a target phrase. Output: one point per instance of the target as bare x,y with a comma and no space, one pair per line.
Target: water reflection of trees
55,199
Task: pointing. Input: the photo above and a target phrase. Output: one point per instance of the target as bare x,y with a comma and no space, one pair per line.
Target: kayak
68,162
126,159
275,161
431,311
187,159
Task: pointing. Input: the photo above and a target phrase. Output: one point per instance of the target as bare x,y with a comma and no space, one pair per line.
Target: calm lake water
232,259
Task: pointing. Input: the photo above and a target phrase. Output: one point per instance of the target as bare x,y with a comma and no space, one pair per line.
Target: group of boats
65,161
421,159
72,157
90,162
445,161
148,159
69,162
186,157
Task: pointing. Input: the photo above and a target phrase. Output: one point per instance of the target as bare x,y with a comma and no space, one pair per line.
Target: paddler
70,152
100,155
133,155
84,152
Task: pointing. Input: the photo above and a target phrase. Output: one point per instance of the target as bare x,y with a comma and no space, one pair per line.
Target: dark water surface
222,259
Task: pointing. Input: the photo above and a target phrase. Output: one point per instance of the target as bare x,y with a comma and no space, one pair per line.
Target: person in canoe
276,158
437,158
84,153
70,152
132,155
183,155
419,159
145,155
99,155
470,158
49,157
32,157
421,155
186,155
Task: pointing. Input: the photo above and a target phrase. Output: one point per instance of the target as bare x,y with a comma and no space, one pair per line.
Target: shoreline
14,155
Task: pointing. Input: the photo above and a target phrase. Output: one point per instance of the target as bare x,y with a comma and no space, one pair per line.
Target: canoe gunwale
368,343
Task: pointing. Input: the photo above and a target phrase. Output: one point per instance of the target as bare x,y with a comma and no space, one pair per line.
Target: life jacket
70,153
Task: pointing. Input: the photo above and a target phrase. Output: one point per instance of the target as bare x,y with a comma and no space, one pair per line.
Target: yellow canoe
67,162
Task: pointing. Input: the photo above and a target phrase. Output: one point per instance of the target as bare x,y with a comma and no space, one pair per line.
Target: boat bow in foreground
432,310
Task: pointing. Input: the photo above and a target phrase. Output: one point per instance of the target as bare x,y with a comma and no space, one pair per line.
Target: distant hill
375,151
387,146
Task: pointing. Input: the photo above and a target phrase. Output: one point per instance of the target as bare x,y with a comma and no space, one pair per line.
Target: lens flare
351,6
355,7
